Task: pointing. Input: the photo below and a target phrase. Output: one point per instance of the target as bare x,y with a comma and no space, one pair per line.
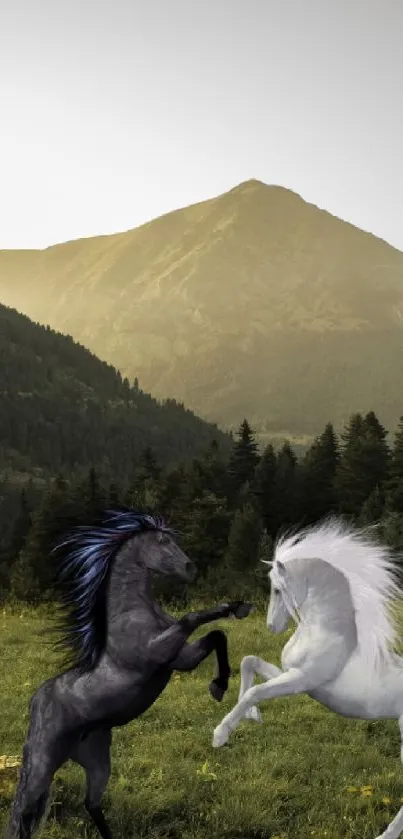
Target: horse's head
162,554
288,593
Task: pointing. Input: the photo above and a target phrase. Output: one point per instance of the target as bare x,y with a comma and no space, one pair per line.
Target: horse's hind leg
30,805
193,654
395,828
43,753
92,752
250,665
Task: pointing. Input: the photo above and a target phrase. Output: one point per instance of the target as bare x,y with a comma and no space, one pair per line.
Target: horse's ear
267,562
281,567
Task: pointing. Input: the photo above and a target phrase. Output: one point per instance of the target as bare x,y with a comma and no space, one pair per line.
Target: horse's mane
370,569
84,558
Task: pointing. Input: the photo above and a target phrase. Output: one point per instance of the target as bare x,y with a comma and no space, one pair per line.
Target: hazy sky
113,112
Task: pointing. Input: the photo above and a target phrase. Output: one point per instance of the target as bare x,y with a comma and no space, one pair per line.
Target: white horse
339,585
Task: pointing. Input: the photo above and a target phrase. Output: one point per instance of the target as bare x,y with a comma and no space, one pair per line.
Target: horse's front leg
166,646
191,655
292,681
251,665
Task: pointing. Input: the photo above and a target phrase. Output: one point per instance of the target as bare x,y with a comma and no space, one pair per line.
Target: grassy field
305,773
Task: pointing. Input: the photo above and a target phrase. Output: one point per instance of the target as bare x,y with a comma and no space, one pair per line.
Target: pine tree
32,574
262,485
149,467
378,449
363,464
244,539
264,554
209,473
349,494
395,483
14,533
92,493
172,496
392,533
243,460
207,528
21,527
372,509
318,493
143,490
63,507
284,509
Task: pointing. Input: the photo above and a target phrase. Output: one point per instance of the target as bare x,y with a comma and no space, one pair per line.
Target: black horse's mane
84,557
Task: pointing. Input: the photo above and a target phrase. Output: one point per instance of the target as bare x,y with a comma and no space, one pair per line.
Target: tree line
228,509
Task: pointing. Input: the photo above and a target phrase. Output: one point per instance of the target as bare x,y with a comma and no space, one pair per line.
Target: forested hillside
62,410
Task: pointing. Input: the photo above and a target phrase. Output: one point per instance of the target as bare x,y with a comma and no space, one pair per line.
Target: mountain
63,410
253,303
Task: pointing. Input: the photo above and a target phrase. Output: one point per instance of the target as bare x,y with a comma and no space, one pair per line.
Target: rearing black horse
124,650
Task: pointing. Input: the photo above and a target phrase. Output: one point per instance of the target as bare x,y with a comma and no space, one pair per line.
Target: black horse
123,648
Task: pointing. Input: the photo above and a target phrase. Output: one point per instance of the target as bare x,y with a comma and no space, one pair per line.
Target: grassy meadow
305,773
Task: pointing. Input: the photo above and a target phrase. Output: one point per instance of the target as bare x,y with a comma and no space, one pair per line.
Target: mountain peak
253,185
255,302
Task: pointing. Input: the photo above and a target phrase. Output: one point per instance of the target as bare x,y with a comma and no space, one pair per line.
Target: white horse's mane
370,570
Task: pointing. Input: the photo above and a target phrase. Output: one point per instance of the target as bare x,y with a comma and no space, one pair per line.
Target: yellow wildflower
9,761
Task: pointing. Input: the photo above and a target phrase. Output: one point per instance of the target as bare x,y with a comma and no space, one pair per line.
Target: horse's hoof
216,691
220,736
243,610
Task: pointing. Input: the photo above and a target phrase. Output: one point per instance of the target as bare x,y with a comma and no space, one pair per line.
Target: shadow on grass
127,818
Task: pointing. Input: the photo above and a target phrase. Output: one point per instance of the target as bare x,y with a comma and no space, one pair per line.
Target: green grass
286,779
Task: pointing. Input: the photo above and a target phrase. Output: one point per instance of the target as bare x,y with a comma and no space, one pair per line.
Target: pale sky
113,112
